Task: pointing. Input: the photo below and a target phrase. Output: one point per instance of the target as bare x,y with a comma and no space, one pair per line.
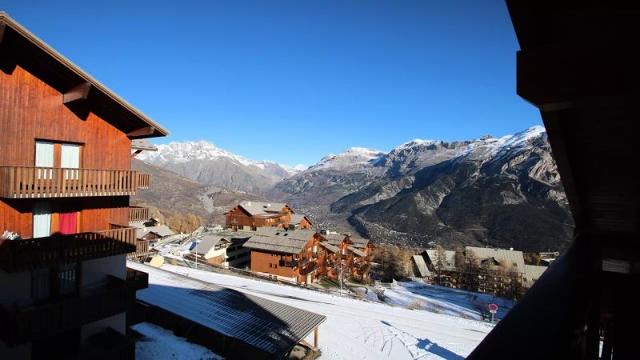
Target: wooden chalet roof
267,325
288,242
18,46
259,208
356,251
449,258
510,258
336,239
297,218
334,249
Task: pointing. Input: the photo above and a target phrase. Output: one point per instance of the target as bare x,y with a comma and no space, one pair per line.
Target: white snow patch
160,344
357,329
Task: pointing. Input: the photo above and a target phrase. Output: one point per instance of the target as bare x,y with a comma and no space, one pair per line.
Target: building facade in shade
65,183
254,214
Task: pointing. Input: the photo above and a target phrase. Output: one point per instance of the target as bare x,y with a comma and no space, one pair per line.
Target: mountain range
502,191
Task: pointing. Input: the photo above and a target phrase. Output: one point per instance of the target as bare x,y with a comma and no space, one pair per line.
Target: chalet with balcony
347,254
65,182
255,214
290,255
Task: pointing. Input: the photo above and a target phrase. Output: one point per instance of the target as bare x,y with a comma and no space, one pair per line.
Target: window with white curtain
44,158
41,220
70,160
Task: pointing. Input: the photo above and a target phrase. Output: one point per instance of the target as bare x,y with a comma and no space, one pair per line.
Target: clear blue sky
291,81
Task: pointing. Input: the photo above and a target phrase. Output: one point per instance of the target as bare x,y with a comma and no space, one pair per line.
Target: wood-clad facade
65,182
251,215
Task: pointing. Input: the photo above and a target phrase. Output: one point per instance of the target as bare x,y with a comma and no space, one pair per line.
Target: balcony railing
137,213
19,182
22,255
22,324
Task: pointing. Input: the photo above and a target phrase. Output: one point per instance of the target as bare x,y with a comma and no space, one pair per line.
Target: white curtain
41,220
70,159
44,158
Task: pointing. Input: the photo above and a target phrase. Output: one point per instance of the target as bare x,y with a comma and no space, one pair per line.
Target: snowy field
357,329
161,344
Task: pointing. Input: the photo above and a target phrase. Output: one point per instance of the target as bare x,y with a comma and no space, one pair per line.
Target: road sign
493,308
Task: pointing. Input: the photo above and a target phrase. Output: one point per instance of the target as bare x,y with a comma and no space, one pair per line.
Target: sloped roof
449,258
336,239
264,324
356,251
297,218
207,242
63,75
532,273
288,242
421,265
257,208
161,230
334,249
509,258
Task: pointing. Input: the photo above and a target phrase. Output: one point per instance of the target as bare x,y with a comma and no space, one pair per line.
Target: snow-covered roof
207,242
263,324
421,265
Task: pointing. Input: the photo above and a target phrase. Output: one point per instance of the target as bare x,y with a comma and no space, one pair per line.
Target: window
41,220
70,160
44,158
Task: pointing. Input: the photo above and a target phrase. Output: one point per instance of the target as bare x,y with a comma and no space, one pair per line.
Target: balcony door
70,160
41,220
44,158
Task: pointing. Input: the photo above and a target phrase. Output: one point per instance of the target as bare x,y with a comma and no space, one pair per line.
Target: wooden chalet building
348,254
255,214
303,256
65,183
290,255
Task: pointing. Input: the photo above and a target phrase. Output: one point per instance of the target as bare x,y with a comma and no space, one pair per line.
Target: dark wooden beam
79,92
145,131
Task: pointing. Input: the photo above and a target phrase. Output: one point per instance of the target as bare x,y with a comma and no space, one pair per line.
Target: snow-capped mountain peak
351,157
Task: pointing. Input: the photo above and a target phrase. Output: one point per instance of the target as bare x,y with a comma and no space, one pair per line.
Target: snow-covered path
357,329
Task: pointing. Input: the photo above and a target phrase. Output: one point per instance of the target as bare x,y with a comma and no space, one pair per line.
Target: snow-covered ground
357,329
159,344
443,300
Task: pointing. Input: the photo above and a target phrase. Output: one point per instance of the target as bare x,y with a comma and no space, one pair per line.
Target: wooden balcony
27,254
137,213
24,182
22,324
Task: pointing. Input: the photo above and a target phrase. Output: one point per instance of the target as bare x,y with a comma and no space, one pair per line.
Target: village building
65,183
420,268
148,232
290,255
347,254
250,215
507,260
531,274
223,249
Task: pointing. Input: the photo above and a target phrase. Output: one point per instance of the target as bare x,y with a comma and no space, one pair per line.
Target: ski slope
357,329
